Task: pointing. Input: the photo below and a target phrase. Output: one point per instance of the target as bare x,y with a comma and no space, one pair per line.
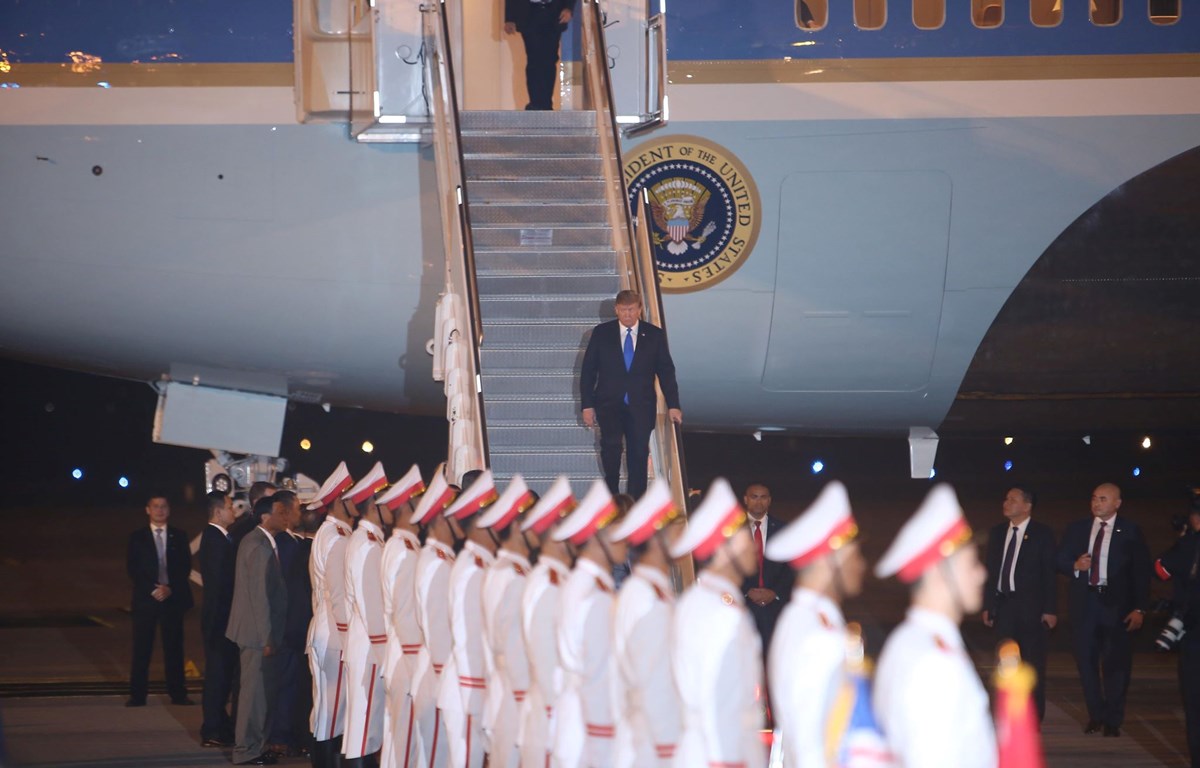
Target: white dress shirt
1012,567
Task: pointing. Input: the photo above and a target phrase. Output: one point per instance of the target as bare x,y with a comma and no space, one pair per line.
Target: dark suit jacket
776,576
1036,592
259,608
603,380
216,557
141,561
299,590
516,11
1128,565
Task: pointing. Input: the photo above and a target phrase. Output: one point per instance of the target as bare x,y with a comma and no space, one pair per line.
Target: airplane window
870,14
1045,13
1164,11
1105,13
812,14
987,13
929,14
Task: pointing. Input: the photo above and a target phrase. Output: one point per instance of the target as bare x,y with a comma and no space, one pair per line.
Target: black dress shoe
184,701
219,743
1093,726
1112,730
265,758
135,703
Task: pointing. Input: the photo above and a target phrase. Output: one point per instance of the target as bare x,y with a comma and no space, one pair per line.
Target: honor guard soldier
586,723
717,650
503,584
327,629
541,612
928,697
650,720
464,682
433,614
366,638
810,642
398,571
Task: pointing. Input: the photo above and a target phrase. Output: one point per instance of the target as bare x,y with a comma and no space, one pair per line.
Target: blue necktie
628,350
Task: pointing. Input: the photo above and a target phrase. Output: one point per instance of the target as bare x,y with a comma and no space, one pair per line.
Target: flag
1017,736
852,736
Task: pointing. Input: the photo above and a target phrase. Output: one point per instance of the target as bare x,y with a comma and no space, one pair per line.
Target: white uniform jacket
326,569
541,607
366,642
398,572
502,588
464,682
433,613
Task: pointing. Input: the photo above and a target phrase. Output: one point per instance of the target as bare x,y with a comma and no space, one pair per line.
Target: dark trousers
1189,686
1026,628
220,666
1103,656
283,715
170,621
627,428
256,701
541,32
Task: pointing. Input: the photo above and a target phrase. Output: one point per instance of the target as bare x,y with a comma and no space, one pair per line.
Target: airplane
183,203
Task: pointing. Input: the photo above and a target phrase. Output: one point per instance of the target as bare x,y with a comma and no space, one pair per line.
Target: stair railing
460,326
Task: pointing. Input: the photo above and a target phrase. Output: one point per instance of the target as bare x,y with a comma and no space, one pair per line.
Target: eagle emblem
677,205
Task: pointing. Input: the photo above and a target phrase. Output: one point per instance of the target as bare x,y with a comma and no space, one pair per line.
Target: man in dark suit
256,623
1020,598
294,549
769,588
541,24
159,560
1108,564
616,390
216,557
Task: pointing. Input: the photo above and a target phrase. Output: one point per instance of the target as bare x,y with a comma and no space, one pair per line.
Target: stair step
538,238
594,308
536,286
536,190
579,467
562,261
538,214
563,410
548,144
524,438
508,119
534,361
540,482
514,385
536,335
531,167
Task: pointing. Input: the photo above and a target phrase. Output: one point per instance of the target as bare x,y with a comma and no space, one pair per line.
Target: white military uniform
928,697
464,682
327,630
586,725
541,611
807,669
433,613
502,588
649,728
399,569
718,670
366,642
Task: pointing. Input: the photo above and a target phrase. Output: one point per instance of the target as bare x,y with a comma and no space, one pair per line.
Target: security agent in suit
616,390
1181,565
769,587
541,24
1021,598
216,558
158,560
284,739
1108,564
256,624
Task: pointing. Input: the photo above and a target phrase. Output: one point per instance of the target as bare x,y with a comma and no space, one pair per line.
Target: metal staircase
546,273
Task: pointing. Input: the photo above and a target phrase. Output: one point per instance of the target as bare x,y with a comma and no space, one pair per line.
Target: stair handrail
442,92
638,270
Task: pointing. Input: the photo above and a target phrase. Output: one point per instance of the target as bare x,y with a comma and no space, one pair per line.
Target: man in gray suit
256,624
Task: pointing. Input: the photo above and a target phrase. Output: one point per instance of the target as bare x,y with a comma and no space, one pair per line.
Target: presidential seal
704,209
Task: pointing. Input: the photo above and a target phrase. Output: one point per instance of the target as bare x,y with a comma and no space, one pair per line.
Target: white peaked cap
371,483
932,534
824,527
516,499
337,482
654,510
716,519
481,493
403,489
555,503
436,497
595,511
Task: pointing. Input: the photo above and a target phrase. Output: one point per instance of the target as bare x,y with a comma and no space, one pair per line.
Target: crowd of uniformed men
487,626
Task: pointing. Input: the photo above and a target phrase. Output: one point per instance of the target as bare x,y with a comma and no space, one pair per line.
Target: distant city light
77,473
305,444
123,481
817,466
1087,439
368,446
1008,466
1008,441
932,473
1146,442
1137,471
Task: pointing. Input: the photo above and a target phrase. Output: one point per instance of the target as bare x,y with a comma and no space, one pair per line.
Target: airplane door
635,35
